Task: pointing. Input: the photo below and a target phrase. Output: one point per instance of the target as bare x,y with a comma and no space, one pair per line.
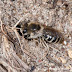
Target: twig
19,21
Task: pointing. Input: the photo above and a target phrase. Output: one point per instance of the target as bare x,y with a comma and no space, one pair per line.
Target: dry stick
19,21
2,28
2,70
24,65
13,54
7,65
14,29
5,33
20,61
21,45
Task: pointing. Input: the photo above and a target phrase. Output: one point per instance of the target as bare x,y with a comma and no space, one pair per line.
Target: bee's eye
24,31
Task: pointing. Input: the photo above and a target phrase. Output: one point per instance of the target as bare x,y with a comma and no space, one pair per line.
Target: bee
34,30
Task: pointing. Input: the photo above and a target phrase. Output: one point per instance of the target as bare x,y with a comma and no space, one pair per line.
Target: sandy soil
20,55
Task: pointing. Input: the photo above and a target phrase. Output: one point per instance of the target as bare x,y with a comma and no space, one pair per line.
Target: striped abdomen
52,36
52,39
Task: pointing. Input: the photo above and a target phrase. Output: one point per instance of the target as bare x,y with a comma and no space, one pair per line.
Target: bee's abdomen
52,39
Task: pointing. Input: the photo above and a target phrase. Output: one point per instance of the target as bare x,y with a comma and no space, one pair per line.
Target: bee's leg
44,42
45,47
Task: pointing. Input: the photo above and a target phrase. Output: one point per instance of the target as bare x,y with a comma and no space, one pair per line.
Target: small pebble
65,42
69,37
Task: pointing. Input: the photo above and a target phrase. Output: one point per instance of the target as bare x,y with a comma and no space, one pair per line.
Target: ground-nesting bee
34,30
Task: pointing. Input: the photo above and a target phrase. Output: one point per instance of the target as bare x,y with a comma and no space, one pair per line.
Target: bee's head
30,30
